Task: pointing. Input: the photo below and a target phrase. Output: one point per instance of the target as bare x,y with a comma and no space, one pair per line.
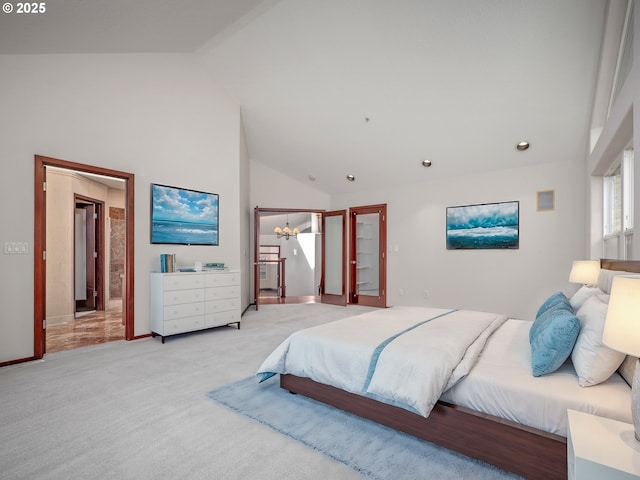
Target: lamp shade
622,326
585,271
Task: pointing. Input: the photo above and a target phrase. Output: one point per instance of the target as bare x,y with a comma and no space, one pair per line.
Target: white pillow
582,295
606,278
594,362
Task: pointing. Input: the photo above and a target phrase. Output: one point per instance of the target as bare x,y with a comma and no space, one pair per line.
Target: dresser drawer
176,297
182,325
222,279
223,305
218,293
222,318
183,282
172,312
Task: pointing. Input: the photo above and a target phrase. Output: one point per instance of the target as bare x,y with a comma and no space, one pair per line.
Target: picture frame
181,216
483,226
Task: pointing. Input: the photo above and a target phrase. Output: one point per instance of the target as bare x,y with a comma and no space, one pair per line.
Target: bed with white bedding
403,356
501,384
393,365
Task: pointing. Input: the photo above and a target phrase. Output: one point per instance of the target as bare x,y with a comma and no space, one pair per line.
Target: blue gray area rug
375,451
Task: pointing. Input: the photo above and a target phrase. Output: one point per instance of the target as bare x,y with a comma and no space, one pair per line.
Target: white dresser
188,301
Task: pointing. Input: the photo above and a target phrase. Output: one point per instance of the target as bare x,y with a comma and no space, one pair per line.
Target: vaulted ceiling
369,88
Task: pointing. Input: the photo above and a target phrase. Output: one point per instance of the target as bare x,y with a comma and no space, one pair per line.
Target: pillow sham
582,295
593,360
553,340
557,301
605,279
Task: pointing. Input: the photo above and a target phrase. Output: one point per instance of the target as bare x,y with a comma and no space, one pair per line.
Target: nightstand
600,448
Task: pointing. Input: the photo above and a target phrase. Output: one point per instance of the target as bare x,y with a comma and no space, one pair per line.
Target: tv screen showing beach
490,225
183,217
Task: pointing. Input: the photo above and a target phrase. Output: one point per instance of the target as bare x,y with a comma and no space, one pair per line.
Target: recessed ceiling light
522,146
351,178
426,163
311,178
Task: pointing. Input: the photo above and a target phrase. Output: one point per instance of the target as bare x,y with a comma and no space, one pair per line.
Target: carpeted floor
139,410
377,452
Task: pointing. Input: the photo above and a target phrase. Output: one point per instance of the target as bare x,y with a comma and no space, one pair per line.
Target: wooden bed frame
523,450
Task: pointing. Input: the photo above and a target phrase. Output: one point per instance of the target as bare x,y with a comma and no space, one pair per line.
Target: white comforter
403,356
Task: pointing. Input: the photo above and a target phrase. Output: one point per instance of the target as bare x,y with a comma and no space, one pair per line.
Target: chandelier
286,232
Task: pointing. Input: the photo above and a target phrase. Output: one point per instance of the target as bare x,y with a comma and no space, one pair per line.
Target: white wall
159,117
622,123
246,222
514,282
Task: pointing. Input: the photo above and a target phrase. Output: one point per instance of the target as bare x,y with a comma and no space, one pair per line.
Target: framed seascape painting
489,225
181,216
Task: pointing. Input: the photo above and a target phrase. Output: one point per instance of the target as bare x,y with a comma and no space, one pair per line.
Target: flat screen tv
489,225
181,216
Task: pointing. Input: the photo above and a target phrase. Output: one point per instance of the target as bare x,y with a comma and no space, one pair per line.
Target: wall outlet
400,292
425,294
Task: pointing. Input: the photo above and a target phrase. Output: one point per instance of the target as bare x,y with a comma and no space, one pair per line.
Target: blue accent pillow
553,340
554,300
557,301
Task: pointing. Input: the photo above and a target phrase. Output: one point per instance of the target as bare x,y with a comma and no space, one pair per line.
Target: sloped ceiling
366,87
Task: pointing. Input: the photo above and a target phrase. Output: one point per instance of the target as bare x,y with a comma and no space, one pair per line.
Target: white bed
501,384
493,408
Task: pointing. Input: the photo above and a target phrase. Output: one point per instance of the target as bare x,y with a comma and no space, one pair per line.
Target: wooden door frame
335,299
39,248
256,241
382,257
99,248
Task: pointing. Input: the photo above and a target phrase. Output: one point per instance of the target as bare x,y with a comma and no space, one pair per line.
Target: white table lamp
622,331
585,272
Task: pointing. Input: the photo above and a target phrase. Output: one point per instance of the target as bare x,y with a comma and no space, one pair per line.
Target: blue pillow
554,300
553,340
557,301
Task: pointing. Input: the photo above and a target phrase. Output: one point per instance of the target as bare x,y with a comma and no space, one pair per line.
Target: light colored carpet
139,410
377,452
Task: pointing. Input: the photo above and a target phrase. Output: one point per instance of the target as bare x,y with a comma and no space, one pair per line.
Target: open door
89,254
368,269
334,250
40,252
91,287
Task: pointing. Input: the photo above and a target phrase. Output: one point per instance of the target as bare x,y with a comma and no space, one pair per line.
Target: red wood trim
529,452
39,265
256,244
381,209
19,360
289,210
39,245
623,265
128,301
138,337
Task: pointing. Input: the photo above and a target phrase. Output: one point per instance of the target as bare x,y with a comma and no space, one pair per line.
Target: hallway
90,329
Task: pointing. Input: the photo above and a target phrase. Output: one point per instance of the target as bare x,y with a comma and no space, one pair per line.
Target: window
618,207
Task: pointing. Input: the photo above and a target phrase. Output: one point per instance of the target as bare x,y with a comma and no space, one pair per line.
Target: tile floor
90,329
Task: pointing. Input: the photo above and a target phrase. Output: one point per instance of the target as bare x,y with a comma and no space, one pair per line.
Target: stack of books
168,262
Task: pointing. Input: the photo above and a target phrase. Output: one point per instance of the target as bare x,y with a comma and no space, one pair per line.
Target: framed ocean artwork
181,216
484,226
